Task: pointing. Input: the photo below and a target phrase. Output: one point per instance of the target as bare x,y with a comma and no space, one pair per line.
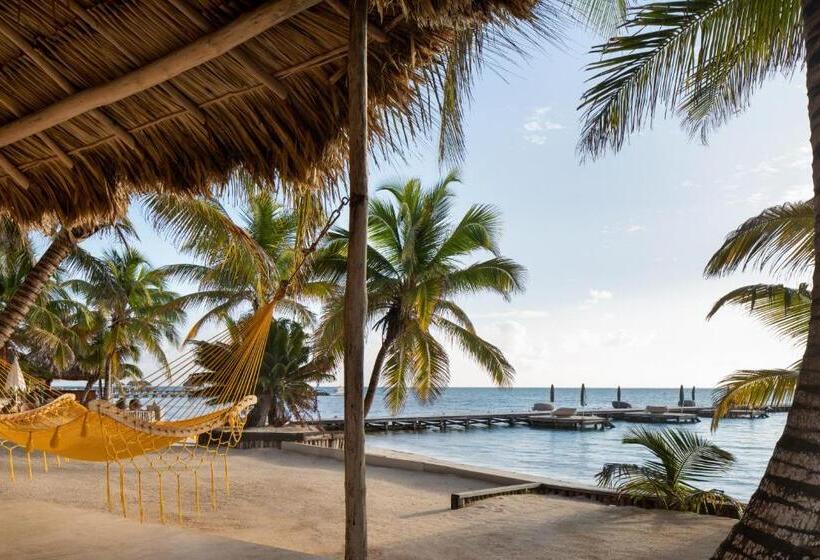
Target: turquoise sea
565,455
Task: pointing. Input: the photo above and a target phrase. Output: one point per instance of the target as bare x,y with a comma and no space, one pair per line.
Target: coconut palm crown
420,261
240,262
131,313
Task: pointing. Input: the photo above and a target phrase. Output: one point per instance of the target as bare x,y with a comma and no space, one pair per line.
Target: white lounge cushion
564,412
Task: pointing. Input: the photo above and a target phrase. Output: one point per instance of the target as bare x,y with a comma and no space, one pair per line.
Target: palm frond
779,240
601,16
702,57
487,355
754,389
784,310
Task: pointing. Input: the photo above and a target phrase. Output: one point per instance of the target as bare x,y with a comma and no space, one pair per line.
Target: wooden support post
356,289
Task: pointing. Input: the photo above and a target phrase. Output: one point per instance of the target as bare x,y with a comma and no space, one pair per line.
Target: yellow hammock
205,418
66,428
104,432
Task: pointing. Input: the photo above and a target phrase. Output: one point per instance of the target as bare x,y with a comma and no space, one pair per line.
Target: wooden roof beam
46,66
13,172
202,50
240,54
18,112
373,31
172,91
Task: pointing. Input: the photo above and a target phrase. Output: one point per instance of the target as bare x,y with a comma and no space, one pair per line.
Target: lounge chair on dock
542,407
621,404
661,414
567,419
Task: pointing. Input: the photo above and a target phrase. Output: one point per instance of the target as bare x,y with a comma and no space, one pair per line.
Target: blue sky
615,248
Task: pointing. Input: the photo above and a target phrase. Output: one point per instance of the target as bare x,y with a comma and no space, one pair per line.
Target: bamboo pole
356,289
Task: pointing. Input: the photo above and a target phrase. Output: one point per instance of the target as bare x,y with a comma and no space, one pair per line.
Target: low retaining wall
505,482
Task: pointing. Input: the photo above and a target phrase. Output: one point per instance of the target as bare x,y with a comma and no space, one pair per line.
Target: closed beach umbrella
14,378
693,393
552,393
583,395
618,394
681,396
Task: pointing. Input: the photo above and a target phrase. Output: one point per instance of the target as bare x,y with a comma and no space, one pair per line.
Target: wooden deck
736,413
598,418
571,422
466,421
662,417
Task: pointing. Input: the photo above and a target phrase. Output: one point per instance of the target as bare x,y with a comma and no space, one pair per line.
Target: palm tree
288,374
42,339
704,59
416,268
681,459
37,278
240,264
132,312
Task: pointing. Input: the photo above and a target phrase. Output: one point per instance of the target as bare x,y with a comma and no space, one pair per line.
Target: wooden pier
751,414
571,422
662,417
466,421
590,418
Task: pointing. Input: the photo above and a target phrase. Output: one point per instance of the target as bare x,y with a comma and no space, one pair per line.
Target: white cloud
634,228
538,124
586,339
599,295
514,314
595,297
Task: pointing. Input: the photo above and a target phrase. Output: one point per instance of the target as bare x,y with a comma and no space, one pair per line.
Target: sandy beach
295,502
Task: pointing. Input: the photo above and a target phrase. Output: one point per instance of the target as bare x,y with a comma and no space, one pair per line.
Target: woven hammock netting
182,421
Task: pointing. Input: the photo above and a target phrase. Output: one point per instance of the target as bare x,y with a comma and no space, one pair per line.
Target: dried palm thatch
101,99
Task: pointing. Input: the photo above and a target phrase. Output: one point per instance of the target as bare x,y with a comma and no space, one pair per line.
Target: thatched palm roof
104,98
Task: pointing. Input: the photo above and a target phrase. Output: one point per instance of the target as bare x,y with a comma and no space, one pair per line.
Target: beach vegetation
680,459
288,374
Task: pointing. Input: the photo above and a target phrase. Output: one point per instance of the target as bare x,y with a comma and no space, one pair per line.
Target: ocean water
568,455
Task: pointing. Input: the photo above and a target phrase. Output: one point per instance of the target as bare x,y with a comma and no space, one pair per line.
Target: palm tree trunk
21,301
89,384
783,516
261,412
375,375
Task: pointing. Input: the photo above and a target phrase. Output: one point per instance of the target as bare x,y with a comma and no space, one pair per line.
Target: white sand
295,502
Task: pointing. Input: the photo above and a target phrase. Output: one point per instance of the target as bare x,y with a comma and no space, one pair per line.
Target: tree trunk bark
783,516
375,375
21,300
260,413
356,288
89,384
